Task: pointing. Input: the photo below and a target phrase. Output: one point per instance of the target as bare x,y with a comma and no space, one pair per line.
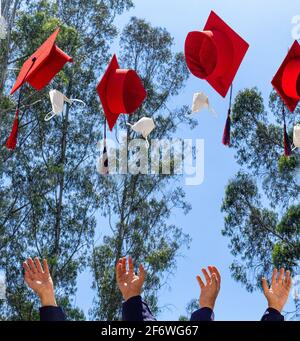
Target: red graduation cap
215,54
38,71
287,79
43,65
287,84
121,92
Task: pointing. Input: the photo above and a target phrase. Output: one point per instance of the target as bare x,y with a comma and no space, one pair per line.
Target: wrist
210,305
277,307
129,296
48,300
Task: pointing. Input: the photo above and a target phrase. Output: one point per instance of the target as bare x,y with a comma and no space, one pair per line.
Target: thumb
265,286
27,279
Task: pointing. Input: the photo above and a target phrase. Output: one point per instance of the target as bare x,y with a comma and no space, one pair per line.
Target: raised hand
278,294
38,278
130,284
210,290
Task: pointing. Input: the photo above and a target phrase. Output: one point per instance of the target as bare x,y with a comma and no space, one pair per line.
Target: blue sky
267,27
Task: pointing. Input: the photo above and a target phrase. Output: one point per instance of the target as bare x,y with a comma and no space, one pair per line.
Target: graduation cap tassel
12,140
227,129
287,144
11,143
104,166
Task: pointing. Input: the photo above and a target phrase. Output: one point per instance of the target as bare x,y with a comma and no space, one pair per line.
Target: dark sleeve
136,310
272,315
204,314
52,314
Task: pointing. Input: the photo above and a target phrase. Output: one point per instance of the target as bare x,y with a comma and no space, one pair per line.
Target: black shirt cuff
272,315
203,314
51,313
136,310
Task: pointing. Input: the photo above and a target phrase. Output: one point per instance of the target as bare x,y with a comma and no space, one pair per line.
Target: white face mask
297,136
144,126
102,165
200,102
58,100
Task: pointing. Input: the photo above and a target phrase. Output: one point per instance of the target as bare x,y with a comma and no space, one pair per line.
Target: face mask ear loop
213,112
147,142
73,100
49,116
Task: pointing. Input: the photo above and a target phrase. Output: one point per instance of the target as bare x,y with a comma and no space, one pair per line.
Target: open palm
37,277
278,294
130,284
209,290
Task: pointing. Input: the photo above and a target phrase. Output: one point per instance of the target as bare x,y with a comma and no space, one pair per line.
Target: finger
38,265
124,264
130,265
216,271
46,267
119,271
288,280
211,270
119,266
214,280
212,273
274,277
206,275
287,276
27,277
142,272
201,283
32,266
265,286
26,267
281,275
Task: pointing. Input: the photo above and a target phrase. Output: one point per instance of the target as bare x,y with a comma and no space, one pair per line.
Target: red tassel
12,140
287,144
226,134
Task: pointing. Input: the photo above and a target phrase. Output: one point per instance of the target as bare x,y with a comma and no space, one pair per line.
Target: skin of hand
210,290
278,294
38,278
130,283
